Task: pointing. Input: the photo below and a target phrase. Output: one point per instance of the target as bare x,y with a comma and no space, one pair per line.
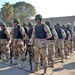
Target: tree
7,11
24,10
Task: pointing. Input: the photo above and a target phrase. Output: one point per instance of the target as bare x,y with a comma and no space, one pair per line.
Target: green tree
24,10
7,11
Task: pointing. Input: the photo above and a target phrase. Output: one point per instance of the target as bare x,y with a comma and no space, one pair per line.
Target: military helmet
58,24
30,24
16,20
24,24
48,23
38,16
2,24
68,25
63,26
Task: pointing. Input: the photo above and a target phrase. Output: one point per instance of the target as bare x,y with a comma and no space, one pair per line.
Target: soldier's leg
3,53
44,52
66,48
15,55
72,45
7,53
61,48
56,49
22,53
52,54
36,58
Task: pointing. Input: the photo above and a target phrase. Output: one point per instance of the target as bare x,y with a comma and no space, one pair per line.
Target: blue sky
50,8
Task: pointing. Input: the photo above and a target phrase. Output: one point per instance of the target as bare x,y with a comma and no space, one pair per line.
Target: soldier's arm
32,39
48,32
8,34
63,33
55,34
69,35
23,33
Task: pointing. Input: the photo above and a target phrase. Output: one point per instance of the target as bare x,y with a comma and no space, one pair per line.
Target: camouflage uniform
18,44
51,43
30,26
40,33
66,45
60,41
71,43
4,41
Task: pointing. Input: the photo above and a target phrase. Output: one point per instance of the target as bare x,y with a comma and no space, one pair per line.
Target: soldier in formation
18,38
41,33
51,43
66,41
60,42
42,39
4,41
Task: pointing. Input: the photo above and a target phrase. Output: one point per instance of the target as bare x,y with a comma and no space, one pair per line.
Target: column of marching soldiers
40,40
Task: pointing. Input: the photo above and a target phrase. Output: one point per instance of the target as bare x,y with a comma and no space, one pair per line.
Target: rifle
11,53
41,60
30,56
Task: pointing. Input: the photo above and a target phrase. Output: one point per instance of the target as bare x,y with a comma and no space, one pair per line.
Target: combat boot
22,64
36,68
15,62
66,55
3,59
62,59
52,65
7,58
45,70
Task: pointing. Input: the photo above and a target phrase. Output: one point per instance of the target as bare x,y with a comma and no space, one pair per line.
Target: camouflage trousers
71,46
4,46
66,48
4,49
60,45
51,50
18,49
74,44
41,48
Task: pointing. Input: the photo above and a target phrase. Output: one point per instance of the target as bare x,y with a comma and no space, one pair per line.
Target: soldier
51,43
4,41
71,44
60,41
41,33
30,26
68,35
19,36
30,48
25,28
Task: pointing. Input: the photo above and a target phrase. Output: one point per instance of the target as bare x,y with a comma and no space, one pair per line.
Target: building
62,20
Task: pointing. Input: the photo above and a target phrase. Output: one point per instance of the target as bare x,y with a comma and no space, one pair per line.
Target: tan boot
65,56
36,68
3,59
7,59
45,70
15,62
52,65
62,59
22,64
